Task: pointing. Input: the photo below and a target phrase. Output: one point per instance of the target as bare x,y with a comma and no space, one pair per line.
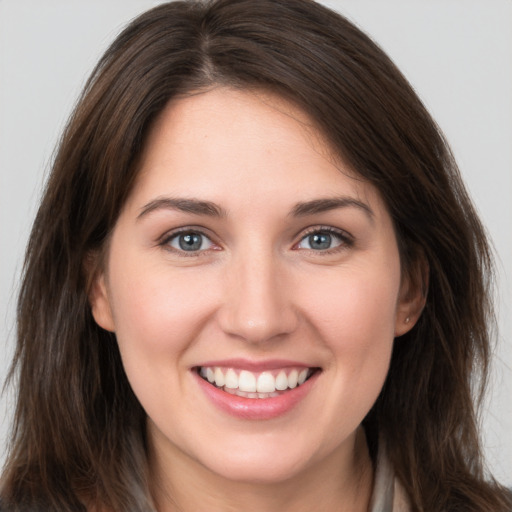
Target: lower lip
256,408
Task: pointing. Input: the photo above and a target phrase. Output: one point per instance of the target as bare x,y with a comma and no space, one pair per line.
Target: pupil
320,241
190,242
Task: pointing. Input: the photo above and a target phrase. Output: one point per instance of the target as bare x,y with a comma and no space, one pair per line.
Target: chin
264,459
258,470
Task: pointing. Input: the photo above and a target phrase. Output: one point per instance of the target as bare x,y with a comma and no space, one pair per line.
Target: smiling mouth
247,384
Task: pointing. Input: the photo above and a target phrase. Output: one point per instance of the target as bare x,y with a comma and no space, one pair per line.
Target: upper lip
255,366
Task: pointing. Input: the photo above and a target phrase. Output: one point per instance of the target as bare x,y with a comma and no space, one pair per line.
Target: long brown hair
79,433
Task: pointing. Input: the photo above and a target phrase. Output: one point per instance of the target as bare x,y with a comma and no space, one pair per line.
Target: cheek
353,308
158,316
155,307
354,315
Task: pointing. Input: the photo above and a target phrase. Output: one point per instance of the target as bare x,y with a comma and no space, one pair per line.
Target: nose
257,302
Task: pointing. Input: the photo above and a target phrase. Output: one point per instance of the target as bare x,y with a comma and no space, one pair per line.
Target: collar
388,494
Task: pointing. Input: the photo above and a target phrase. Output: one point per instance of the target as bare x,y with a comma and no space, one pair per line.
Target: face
254,286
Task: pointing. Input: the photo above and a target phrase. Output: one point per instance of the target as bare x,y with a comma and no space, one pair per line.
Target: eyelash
168,237
346,240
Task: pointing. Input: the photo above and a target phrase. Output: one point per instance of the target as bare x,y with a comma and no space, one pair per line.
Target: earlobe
412,299
407,316
100,303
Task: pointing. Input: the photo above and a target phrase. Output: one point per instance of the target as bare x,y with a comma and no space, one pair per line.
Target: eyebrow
330,203
187,205
210,209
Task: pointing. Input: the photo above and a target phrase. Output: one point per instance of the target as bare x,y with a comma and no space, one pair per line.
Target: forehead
224,142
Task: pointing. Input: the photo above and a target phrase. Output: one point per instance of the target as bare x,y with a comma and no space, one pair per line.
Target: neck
341,482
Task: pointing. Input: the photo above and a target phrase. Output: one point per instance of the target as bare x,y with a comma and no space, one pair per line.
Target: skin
256,290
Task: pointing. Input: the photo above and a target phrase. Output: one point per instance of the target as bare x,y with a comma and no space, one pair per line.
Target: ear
98,295
100,304
412,296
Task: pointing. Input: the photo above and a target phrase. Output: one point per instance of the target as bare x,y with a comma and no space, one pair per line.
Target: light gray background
456,53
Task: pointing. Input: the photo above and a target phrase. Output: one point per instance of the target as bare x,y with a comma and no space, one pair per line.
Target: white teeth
303,375
251,395
219,378
266,383
281,381
251,385
293,378
247,381
231,379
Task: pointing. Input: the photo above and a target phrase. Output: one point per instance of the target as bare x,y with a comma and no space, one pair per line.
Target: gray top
388,495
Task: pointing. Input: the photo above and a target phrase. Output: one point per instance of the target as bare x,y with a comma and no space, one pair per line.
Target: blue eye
190,241
321,240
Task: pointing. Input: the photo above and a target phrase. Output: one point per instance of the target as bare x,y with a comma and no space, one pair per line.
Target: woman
255,282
